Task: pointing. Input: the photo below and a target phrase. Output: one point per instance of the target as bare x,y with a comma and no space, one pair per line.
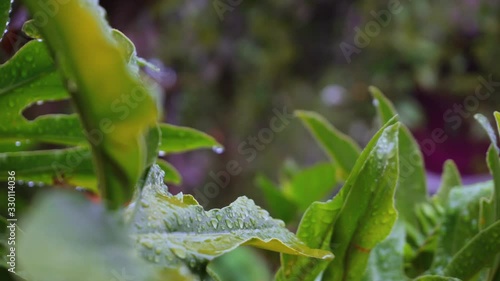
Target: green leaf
177,139
171,173
365,205
412,186
5,7
368,212
31,76
340,148
312,184
78,235
242,264
435,278
450,179
279,205
172,230
386,260
460,223
71,166
476,254
112,101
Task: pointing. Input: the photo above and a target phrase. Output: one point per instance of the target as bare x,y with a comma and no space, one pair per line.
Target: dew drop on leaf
179,252
18,143
161,153
214,223
146,243
218,149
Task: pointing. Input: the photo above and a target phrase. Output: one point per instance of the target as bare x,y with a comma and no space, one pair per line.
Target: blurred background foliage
228,65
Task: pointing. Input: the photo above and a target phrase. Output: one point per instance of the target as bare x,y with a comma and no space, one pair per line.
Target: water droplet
144,204
218,149
161,153
229,224
147,243
158,251
18,143
31,184
40,102
179,252
214,223
240,223
375,102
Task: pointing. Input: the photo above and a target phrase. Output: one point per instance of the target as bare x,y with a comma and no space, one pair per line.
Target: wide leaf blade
368,212
412,186
172,230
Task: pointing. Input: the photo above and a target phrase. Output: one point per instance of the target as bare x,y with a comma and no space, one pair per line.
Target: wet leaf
387,258
368,212
412,186
29,77
476,254
359,217
339,147
172,230
71,166
176,139
460,223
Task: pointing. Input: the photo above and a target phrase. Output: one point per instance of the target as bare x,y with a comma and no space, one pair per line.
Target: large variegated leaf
170,230
353,222
115,107
412,184
340,148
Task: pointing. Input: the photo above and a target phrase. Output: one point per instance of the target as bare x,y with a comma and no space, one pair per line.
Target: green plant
380,226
